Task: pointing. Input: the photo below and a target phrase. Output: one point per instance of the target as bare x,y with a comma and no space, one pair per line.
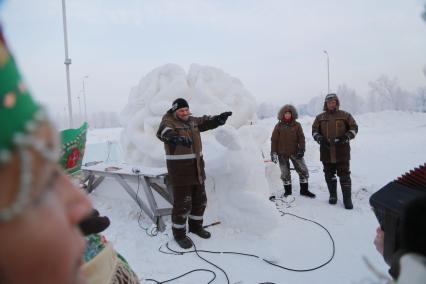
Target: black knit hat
178,103
330,97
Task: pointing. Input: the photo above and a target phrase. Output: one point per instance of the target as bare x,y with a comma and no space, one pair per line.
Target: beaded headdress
20,116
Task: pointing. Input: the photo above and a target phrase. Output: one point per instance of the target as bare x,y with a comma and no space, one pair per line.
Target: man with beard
180,133
333,129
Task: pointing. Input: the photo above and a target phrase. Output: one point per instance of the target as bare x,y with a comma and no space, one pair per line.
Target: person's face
287,115
43,244
331,104
183,113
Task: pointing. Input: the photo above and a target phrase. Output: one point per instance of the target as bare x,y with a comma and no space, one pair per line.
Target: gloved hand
221,118
274,157
341,139
321,140
182,140
300,153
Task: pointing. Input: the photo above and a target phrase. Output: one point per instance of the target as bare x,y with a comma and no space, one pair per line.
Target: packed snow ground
388,144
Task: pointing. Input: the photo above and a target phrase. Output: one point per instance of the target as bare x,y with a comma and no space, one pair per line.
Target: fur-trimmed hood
290,108
331,97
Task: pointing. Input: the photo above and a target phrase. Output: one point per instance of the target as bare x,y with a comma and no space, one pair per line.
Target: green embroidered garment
73,143
17,108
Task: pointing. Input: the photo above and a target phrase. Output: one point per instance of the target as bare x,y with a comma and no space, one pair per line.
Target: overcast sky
275,47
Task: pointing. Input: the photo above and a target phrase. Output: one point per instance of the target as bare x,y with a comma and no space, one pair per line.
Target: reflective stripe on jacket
185,165
333,124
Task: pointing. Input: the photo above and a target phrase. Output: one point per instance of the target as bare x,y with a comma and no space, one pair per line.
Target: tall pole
84,98
67,65
79,109
328,71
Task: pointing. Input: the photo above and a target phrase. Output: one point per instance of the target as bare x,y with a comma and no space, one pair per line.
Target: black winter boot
332,189
347,199
196,227
184,243
346,185
304,190
200,232
287,190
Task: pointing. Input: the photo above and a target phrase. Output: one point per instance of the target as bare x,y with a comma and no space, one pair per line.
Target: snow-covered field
238,185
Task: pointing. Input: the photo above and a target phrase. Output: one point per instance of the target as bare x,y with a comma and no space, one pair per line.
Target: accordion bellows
415,179
389,201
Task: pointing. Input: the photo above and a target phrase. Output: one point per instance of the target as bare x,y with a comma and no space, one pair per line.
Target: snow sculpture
236,185
208,90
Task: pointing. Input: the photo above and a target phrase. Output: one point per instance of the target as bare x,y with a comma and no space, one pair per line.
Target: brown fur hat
289,108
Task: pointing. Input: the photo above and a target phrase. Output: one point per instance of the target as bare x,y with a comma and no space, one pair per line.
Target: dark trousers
341,168
189,202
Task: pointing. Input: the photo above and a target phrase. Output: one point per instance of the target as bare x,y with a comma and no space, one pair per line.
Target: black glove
182,140
320,139
274,157
300,153
341,139
221,118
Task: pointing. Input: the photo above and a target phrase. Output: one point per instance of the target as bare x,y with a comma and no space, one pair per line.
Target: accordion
389,201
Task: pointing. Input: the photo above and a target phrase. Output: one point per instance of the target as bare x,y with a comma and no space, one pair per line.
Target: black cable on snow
195,250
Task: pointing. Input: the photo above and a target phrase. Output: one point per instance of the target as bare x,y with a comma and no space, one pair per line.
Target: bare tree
424,14
349,99
315,105
104,119
421,99
386,94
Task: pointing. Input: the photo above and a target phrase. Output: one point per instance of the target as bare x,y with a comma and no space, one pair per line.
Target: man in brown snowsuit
288,143
333,129
180,133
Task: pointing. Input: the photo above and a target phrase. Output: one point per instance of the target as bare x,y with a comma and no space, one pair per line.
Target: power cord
192,271
316,267
283,213
180,276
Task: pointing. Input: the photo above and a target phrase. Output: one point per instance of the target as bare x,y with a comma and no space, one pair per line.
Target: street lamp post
79,109
84,98
328,71
67,64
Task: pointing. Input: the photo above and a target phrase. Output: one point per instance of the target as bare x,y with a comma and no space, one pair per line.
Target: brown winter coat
185,165
287,138
332,124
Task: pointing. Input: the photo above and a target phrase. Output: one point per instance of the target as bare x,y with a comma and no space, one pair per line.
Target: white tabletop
126,169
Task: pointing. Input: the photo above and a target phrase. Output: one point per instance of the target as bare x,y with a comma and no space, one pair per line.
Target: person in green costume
43,216
40,209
